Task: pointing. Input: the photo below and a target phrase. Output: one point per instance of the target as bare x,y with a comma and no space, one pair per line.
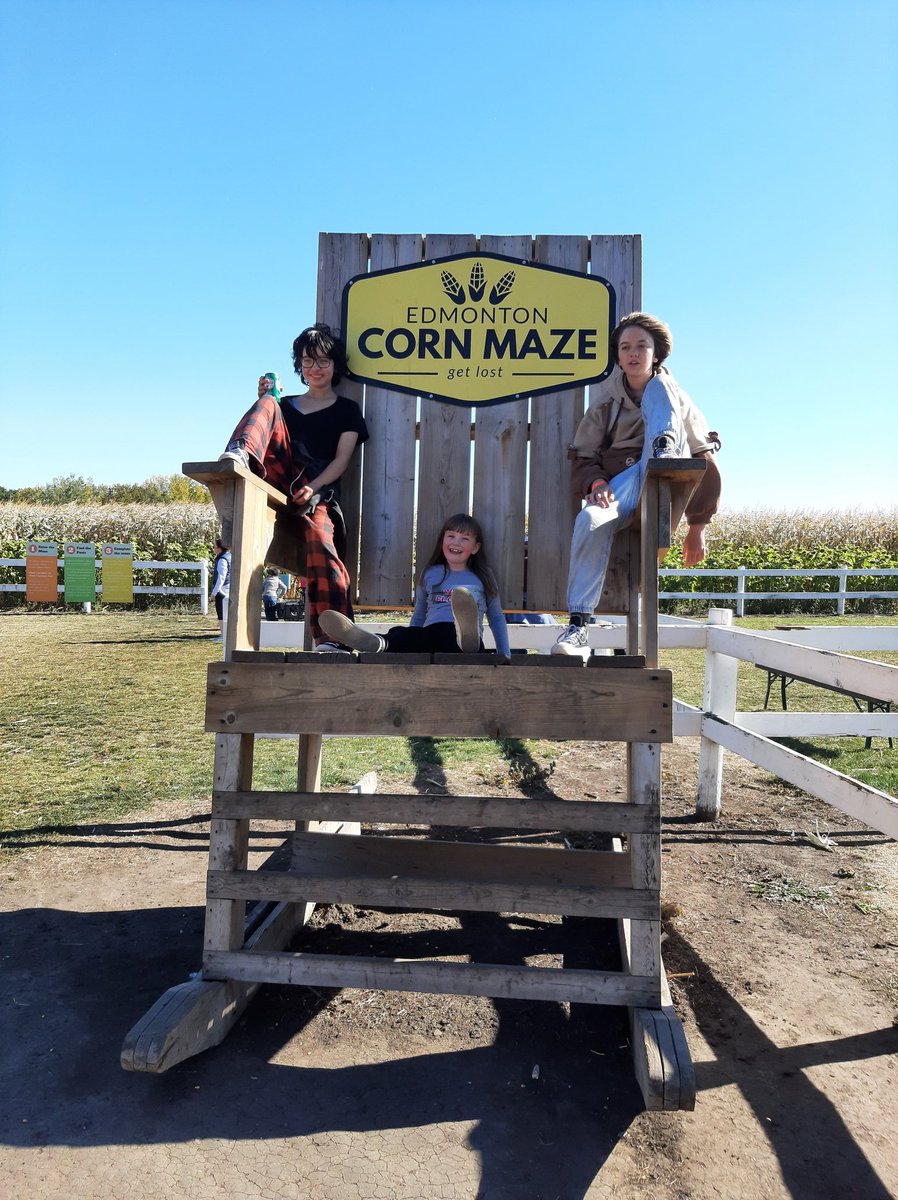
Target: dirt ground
783,964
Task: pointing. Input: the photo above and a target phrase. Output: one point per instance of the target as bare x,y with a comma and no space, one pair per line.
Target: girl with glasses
302,445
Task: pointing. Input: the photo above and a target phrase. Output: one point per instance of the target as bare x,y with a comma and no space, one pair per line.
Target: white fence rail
201,590
839,596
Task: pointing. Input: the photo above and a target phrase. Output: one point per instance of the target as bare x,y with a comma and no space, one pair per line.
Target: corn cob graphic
452,287
477,282
502,288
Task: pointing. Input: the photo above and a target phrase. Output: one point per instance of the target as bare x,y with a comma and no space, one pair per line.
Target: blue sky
166,166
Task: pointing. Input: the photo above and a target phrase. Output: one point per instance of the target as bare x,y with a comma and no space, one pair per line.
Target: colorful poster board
79,572
117,573
41,572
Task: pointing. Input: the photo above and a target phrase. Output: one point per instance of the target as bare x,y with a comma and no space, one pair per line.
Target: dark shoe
346,633
466,616
663,447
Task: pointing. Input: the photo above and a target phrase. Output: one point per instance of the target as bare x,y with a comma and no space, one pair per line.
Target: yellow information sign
478,328
117,573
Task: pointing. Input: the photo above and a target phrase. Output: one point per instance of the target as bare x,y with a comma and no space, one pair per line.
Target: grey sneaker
664,447
330,648
573,640
466,616
343,631
237,454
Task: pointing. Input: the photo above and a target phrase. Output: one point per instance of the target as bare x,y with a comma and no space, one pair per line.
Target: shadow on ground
76,982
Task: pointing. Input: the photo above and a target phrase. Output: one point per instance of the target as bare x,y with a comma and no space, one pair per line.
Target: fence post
843,588
204,588
740,594
719,698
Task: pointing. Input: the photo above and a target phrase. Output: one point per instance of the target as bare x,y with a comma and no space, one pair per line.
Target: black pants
426,639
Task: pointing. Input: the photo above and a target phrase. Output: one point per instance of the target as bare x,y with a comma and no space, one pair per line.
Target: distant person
221,580
273,590
639,413
456,589
302,445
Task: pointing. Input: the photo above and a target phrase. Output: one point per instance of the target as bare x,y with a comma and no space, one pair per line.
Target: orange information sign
41,572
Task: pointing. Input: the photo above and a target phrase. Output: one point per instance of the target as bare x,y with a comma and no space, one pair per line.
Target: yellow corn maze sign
478,328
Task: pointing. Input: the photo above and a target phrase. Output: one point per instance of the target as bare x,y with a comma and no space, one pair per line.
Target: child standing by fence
456,589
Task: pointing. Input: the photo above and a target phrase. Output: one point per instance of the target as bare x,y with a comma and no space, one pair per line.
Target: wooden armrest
678,470
226,471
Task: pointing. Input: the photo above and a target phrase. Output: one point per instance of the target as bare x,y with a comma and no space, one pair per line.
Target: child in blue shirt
455,591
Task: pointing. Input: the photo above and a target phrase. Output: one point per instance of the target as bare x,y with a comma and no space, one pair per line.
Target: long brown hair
477,563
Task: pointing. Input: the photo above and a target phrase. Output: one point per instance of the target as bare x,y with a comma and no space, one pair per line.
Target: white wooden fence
201,590
839,596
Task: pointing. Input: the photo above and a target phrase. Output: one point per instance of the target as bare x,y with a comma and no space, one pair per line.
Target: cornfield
160,532
756,539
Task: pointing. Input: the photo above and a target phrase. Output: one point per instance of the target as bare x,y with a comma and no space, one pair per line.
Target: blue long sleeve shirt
433,596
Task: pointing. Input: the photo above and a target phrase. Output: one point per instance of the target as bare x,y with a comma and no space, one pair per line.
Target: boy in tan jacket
640,412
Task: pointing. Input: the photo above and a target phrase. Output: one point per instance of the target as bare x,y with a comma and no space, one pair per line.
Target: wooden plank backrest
417,468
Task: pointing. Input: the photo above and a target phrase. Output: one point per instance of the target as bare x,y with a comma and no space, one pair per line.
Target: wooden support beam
427,975
478,812
661,1057
368,699
571,900
197,1015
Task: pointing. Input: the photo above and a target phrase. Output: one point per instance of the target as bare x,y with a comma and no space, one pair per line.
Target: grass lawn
102,715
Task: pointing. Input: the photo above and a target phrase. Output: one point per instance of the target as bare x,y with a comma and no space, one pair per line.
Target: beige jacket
611,435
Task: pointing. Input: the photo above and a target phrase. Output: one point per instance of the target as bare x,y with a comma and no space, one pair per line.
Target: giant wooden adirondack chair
392,509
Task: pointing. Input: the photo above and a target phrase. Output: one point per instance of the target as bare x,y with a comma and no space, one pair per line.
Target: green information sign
79,573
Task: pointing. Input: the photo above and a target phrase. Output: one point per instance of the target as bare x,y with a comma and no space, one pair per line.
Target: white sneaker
236,454
466,616
573,640
339,627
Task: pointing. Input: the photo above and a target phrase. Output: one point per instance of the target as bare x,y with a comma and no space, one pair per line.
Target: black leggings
438,638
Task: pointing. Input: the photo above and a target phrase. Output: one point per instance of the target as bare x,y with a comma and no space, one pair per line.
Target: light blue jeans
595,527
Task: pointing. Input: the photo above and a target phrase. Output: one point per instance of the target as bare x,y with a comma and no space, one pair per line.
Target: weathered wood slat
444,465
388,498
500,466
661,1055
229,840
553,422
341,256
442,978
348,697
619,260
464,863
445,895
644,771
486,812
